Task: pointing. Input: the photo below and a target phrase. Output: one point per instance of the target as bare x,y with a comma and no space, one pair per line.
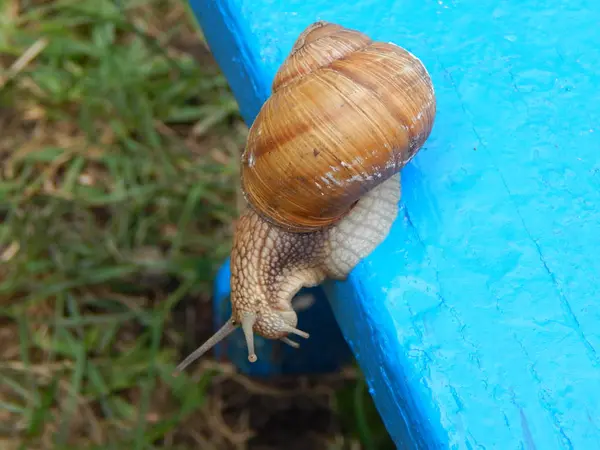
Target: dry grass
119,146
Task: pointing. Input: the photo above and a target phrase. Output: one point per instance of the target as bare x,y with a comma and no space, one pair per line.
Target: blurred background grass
119,147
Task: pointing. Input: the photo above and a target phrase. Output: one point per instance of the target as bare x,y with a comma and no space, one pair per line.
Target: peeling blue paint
493,294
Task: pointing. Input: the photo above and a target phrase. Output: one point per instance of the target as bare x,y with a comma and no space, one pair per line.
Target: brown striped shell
345,114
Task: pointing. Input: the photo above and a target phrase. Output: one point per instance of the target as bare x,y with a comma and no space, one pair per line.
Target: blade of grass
149,383
73,394
40,414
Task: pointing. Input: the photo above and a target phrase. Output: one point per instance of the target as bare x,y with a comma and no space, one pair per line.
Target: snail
321,173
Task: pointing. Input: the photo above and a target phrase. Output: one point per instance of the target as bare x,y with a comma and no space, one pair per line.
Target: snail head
269,323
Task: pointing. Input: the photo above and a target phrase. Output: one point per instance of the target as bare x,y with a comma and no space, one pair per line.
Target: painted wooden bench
484,329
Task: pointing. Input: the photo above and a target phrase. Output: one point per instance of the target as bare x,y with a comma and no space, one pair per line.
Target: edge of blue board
483,330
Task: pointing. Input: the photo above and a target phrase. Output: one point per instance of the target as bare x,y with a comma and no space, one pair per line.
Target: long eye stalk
248,325
221,334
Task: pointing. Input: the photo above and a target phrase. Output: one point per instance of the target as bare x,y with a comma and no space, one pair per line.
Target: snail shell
345,114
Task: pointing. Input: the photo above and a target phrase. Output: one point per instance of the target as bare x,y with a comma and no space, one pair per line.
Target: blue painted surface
484,332
325,352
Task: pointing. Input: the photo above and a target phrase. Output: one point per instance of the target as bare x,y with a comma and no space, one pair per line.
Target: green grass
118,186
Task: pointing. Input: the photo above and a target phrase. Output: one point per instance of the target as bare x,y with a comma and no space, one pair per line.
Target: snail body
321,172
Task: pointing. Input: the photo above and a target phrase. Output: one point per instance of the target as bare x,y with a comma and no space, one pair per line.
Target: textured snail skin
269,265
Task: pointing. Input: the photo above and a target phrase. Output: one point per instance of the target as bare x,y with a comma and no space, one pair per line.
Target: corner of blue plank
234,48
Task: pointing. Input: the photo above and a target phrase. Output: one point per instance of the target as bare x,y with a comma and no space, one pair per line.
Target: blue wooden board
477,322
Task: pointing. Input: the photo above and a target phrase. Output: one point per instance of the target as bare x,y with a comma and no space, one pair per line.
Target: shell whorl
346,113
